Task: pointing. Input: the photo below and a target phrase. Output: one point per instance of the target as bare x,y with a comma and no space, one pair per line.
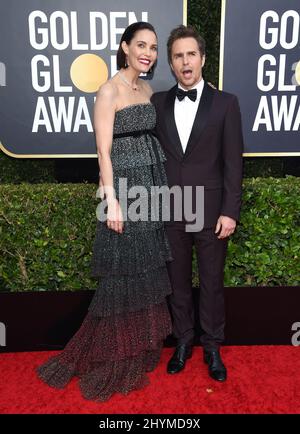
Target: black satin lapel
201,117
173,135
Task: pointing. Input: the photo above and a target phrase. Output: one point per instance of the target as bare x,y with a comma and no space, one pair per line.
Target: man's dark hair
185,32
127,36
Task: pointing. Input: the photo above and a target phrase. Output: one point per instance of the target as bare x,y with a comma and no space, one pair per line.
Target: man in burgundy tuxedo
200,131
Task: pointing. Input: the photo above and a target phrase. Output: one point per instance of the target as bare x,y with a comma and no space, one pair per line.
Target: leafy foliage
265,249
47,232
205,16
16,170
46,236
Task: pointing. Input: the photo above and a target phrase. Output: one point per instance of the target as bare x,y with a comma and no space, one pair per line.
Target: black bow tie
181,94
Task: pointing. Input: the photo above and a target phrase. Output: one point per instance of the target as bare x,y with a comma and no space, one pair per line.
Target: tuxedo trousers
211,254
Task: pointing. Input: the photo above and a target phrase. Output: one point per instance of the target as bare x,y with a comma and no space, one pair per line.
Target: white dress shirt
185,113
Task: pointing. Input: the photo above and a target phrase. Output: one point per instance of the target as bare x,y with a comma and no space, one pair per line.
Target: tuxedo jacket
213,156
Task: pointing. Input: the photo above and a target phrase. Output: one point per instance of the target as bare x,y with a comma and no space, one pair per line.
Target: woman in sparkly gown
120,339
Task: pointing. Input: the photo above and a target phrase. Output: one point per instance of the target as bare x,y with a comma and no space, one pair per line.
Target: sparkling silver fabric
121,337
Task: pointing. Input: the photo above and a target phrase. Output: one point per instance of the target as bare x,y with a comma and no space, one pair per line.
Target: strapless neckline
134,105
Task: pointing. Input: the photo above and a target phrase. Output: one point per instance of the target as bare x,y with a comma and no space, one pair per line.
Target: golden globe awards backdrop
54,56
260,63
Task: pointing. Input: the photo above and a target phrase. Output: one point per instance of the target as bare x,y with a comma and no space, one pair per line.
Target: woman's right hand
115,216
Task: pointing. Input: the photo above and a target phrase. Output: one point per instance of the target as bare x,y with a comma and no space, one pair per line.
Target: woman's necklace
135,87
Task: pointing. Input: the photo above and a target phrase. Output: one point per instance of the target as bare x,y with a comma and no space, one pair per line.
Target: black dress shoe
177,361
216,367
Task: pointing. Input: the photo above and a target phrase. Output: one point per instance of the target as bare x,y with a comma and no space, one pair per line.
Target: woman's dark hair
127,36
184,32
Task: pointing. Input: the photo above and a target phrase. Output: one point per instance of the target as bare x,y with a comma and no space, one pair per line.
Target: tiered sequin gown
121,337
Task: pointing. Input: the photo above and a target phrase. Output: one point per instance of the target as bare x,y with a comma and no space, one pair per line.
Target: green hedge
47,232
17,170
266,250
46,236
205,16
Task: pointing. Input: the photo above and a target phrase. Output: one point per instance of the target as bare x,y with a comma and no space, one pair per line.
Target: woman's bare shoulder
108,90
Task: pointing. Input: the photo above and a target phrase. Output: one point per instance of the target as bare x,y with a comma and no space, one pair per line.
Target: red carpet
261,379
